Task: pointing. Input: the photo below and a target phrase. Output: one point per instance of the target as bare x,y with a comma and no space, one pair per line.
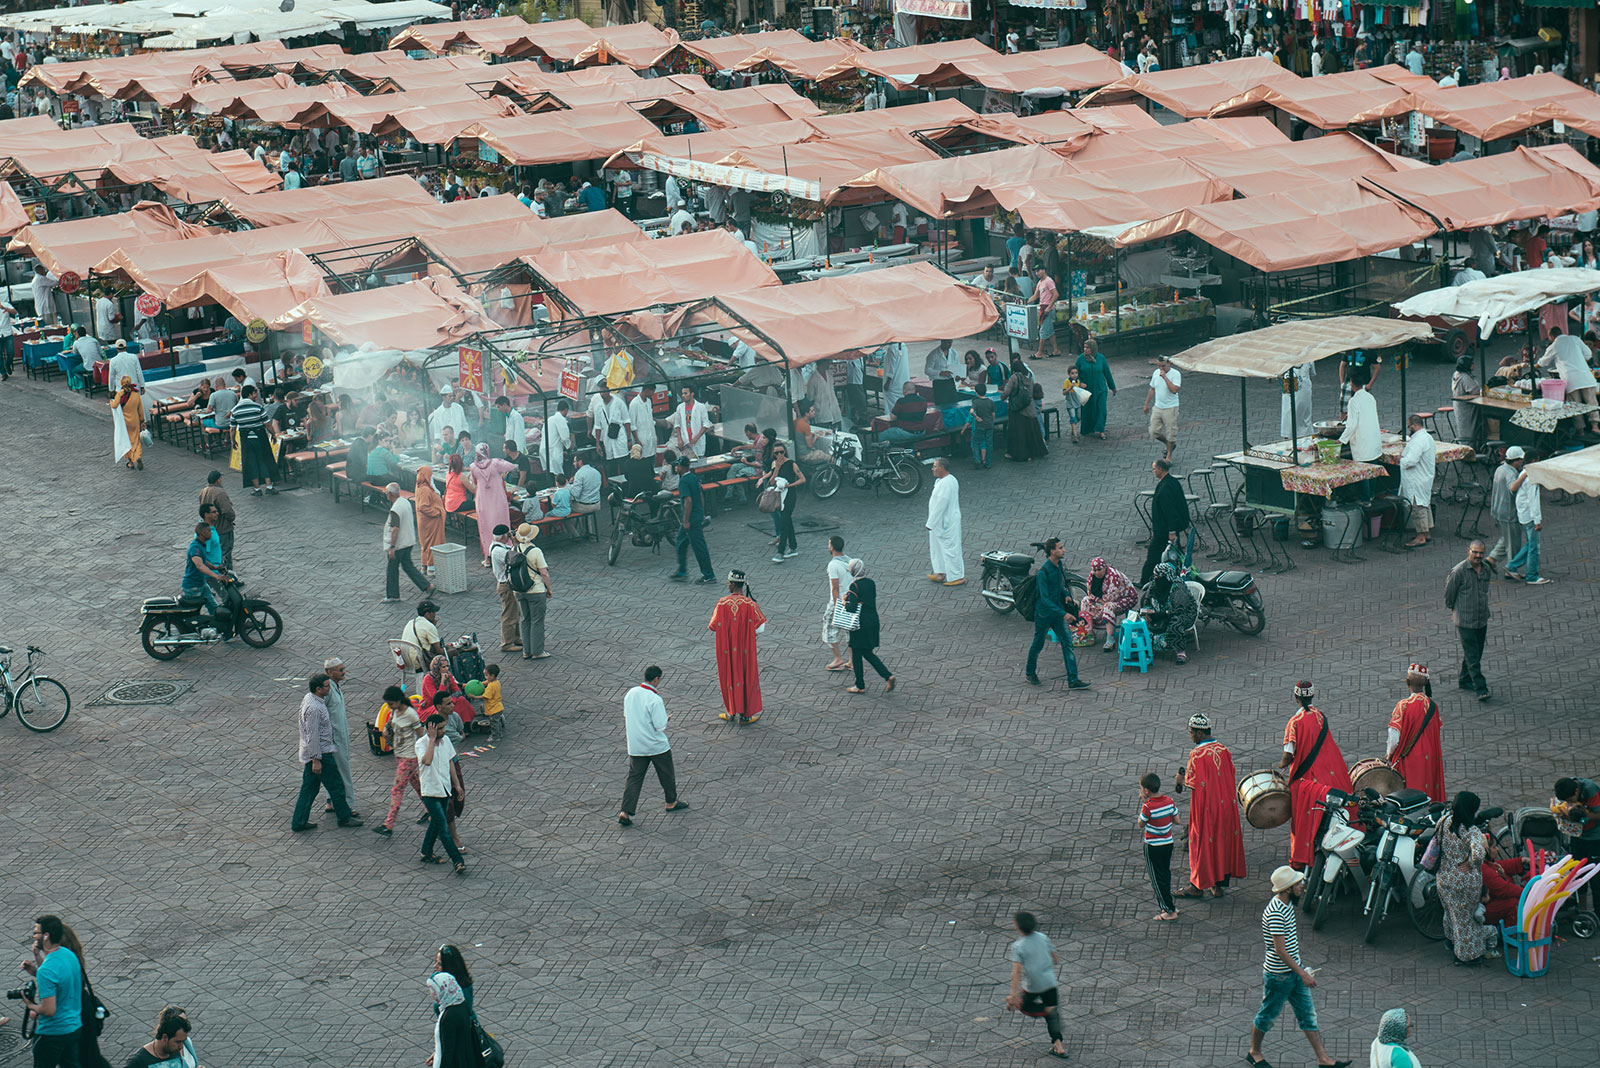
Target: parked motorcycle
648,521
1232,597
1008,580
1344,857
1406,818
169,625
865,466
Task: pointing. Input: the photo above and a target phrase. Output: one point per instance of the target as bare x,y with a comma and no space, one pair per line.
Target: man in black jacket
1169,516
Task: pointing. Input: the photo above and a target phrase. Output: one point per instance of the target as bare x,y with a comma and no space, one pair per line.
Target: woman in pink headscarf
488,475
1109,598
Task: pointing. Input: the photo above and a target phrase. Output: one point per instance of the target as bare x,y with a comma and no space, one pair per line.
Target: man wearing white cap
1503,506
122,363
450,414
1285,979
338,720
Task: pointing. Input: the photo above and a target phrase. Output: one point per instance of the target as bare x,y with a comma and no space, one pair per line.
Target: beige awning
1575,472
1268,353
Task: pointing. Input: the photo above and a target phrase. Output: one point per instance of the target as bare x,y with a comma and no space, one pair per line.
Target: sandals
889,686
430,858
461,870
854,689
1191,892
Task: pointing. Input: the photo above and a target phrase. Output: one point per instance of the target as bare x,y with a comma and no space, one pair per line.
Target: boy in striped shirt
1157,813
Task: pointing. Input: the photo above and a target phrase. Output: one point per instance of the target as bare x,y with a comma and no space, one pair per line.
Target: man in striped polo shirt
1284,979
1156,816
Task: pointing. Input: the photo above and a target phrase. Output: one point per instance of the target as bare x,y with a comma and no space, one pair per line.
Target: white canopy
1575,472
1493,300
190,23
1269,352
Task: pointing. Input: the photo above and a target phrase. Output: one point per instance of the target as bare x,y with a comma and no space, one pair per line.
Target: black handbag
494,1055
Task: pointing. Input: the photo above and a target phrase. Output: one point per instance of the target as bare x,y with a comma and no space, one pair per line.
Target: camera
30,991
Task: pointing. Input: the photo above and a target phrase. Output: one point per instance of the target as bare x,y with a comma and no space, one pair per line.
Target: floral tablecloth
1445,452
1544,420
1322,479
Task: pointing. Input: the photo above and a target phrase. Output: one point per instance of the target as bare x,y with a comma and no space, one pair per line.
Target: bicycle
41,702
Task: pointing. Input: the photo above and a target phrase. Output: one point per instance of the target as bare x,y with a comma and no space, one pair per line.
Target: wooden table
1533,423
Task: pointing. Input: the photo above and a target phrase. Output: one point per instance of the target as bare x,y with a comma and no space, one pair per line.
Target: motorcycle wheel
1325,903
1248,615
614,550
1380,905
1425,908
824,481
261,627
995,582
906,479
158,640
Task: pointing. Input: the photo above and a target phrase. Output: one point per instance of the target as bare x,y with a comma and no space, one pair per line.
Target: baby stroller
1544,830
466,664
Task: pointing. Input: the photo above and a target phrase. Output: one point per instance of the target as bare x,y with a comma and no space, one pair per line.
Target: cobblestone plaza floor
841,891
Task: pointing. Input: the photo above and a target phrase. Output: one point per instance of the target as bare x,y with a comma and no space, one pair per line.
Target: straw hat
527,532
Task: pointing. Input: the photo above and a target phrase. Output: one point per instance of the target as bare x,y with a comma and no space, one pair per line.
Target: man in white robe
689,425
556,443
1300,422
1417,463
896,371
608,422
944,528
642,422
450,414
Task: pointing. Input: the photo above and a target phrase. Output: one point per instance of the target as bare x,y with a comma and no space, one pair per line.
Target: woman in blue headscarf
1389,1049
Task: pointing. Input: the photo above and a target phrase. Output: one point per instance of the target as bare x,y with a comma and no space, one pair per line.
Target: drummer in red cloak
1216,840
1415,749
1316,766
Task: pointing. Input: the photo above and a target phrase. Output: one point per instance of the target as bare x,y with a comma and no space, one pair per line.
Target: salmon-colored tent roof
931,115
1193,92
1275,168
282,206
1049,70
563,136
198,177
930,186
381,68
576,87
909,65
810,61
723,53
508,36
1066,130
1492,110
40,134
1198,136
1333,101
638,45
262,288
15,132
277,101
13,216
636,275
280,60
754,105
1102,202
434,116
853,314
1327,223
1529,183
80,152
472,251
110,75
415,315
824,166
712,144
78,244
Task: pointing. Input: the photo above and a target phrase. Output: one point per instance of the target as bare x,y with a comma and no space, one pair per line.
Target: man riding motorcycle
199,573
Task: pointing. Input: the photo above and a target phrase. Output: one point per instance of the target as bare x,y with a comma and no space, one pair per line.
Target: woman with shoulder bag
862,598
788,473
455,1037
1024,441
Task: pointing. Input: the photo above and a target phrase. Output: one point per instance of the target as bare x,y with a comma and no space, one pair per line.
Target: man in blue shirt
59,977
592,197
197,568
1050,613
694,521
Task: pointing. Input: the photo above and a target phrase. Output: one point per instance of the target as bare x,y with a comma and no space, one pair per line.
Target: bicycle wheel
42,704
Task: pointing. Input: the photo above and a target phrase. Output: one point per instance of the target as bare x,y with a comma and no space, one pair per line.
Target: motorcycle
1231,597
648,521
169,625
1008,580
1344,856
865,466
1405,818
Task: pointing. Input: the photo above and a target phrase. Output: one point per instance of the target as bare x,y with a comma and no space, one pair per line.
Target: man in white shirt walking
838,582
1525,565
399,539
126,363
1417,466
434,754
1161,403
644,714
944,527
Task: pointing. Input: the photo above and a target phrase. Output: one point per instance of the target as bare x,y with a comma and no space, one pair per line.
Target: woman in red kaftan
1315,770
1415,748
1216,839
736,621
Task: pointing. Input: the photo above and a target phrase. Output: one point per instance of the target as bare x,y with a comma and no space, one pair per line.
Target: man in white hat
534,573
122,363
450,414
1285,979
1503,505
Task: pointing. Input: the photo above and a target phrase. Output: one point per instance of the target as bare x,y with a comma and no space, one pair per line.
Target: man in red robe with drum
1317,767
1415,749
737,620
1216,840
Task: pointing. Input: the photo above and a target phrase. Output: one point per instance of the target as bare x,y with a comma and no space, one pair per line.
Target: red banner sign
471,367
70,282
569,385
148,305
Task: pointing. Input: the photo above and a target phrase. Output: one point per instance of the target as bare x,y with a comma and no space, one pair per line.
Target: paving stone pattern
840,892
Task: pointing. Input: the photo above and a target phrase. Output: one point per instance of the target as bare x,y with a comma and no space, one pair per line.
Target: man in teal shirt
59,977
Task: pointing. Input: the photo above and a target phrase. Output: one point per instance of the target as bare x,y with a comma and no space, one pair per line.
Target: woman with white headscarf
1389,1049
455,1039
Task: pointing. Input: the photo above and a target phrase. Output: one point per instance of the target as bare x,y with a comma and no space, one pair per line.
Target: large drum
1376,773
1264,797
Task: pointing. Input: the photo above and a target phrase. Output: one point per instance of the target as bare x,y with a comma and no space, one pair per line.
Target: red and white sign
308,333
70,282
569,385
938,9
471,369
148,305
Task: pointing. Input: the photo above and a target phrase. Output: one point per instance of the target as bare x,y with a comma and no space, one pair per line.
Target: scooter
1008,579
169,625
866,466
1405,817
1231,597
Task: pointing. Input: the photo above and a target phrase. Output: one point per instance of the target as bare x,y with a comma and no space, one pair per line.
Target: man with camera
55,996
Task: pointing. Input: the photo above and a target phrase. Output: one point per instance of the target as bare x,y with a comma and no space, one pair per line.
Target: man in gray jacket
1503,506
1466,594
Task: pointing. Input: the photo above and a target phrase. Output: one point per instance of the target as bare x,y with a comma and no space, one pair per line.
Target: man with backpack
530,581
500,554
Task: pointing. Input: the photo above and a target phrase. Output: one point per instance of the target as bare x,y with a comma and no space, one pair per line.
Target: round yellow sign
313,367
255,331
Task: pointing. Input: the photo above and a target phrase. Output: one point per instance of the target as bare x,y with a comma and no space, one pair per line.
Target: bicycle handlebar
35,649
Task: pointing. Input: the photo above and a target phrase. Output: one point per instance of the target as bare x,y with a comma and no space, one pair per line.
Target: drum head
1268,810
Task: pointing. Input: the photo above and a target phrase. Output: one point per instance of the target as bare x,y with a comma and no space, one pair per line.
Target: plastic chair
1134,646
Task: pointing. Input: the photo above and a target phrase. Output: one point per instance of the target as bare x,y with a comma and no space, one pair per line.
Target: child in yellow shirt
492,705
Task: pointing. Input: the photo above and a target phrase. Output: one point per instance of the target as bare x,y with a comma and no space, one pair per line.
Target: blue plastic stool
1134,647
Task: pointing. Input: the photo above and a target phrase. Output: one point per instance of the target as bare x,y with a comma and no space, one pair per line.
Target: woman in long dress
1464,384
1462,848
430,516
1294,419
863,596
1023,439
455,1039
127,421
489,484
1110,597
1094,371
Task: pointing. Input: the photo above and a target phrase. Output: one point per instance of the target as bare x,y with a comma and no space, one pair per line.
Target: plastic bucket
1328,451
1553,389
1515,947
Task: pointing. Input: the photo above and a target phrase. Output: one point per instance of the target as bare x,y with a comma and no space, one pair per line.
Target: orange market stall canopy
473,251
563,136
282,206
1528,183
76,245
1194,92
415,315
